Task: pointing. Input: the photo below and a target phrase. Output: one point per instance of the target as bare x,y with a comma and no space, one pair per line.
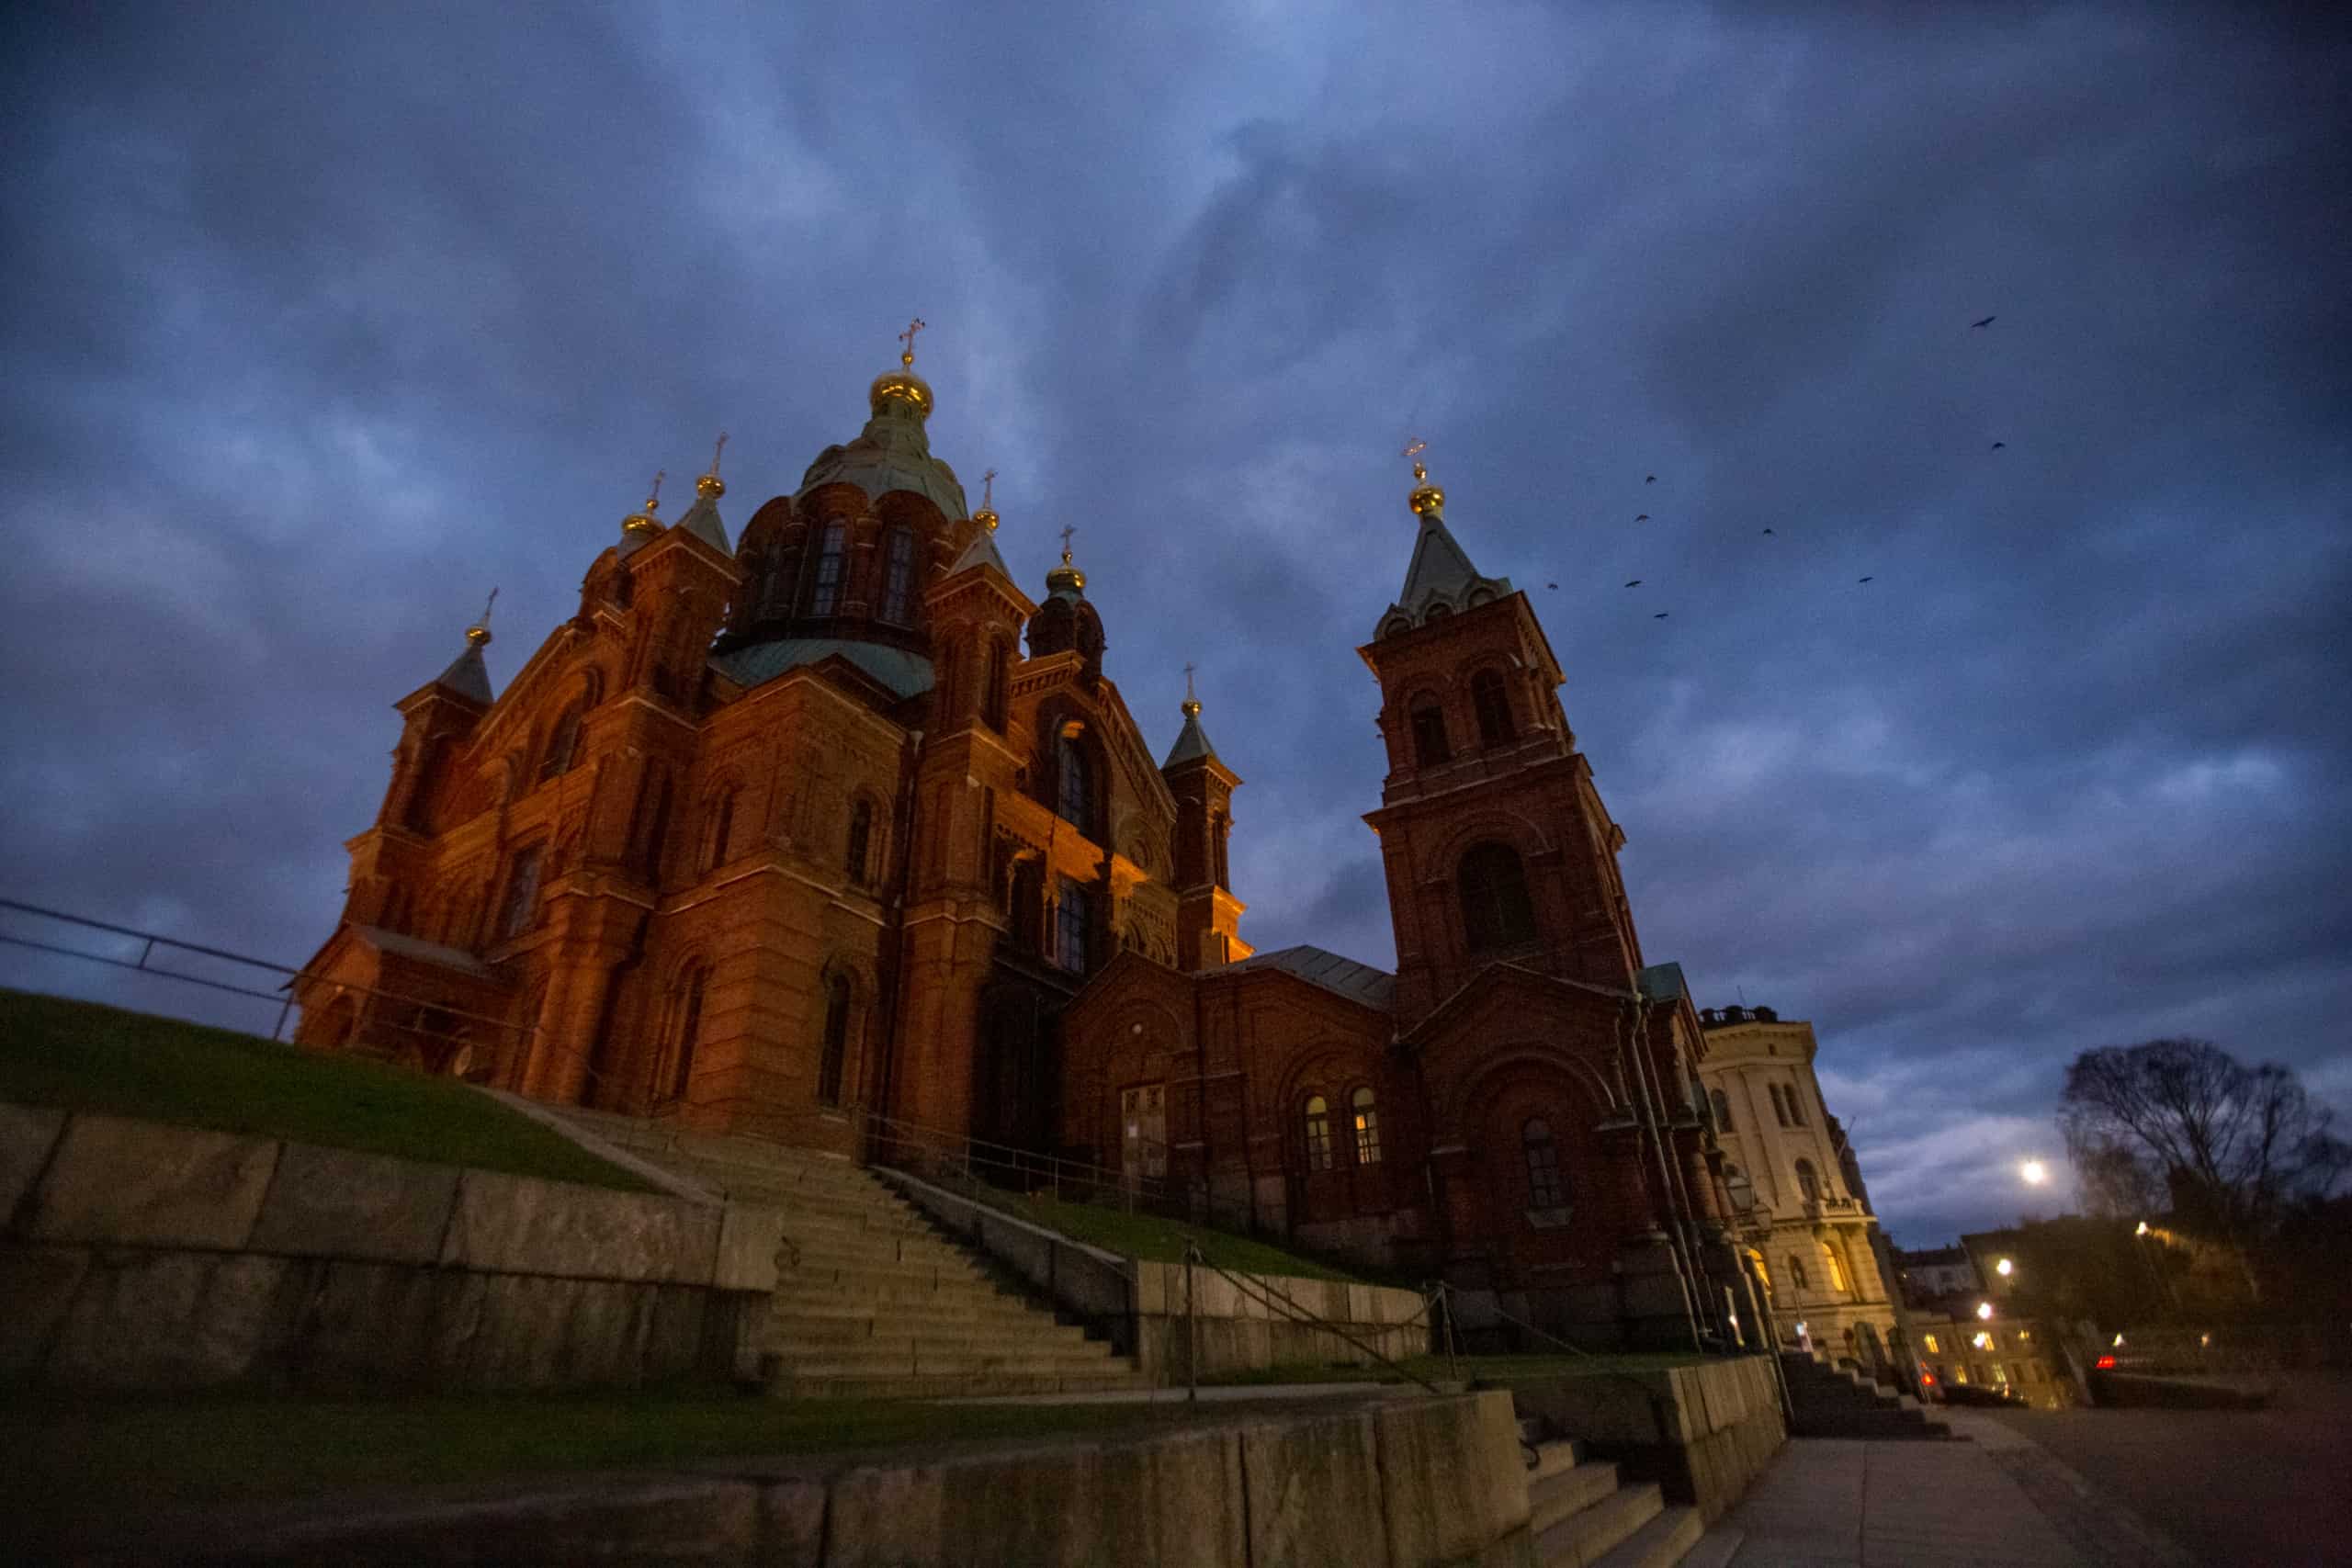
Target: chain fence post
1192,1331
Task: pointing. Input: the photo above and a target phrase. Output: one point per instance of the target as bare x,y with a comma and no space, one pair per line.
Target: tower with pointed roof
1209,917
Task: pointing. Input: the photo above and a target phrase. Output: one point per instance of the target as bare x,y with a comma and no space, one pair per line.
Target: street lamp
2034,1172
1985,1310
2005,1268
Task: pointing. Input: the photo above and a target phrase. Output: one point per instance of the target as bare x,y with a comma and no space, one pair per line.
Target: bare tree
2230,1147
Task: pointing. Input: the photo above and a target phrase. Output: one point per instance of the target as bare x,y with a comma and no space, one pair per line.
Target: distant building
1798,1205
1936,1272
2019,1356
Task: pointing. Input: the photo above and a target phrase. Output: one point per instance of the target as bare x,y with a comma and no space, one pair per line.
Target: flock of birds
1652,479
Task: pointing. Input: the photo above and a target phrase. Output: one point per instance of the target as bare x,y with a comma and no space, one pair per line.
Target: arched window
1838,1280
825,590
1544,1188
1808,1182
1495,908
1741,1190
836,1051
1367,1127
897,577
1220,827
1796,1273
1492,703
651,828
1430,747
1077,792
521,892
685,1031
1722,1103
430,769
563,743
1318,1134
718,827
993,695
861,841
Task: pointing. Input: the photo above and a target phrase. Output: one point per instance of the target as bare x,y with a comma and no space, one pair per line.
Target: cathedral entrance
1017,1088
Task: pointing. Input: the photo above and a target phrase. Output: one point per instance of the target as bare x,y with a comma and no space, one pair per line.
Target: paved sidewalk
1995,1501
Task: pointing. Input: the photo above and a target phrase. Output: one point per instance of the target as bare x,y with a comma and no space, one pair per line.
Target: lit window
1837,1273
1982,1340
1318,1134
1933,1348
898,576
1544,1186
1367,1125
825,592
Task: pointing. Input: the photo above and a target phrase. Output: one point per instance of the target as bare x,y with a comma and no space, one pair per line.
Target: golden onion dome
1426,500
477,635
1065,577
1191,706
643,523
900,389
710,485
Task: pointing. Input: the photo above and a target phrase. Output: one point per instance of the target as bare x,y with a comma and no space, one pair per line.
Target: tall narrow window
1318,1134
522,893
836,1051
860,840
1492,703
1220,827
1496,911
1544,1190
686,1032
897,577
993,695
1796,1106
1808,1182
1430,747
718,827
1837,1281
432,767
1073,927
1076,787
1779,1105
1722,1103
1366,1116
825,591
651,828
563,742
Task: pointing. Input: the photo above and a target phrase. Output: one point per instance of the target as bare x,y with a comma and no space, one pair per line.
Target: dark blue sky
320,320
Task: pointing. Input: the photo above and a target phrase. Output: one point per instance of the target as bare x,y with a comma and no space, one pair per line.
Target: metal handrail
1262,1291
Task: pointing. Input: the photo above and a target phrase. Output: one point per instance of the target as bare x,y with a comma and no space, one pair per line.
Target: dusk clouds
320,320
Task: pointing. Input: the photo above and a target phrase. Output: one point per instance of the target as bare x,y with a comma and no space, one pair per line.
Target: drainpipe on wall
1645,1117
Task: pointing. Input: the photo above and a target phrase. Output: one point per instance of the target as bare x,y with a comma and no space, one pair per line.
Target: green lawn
87,1057
1146,1236
72,1461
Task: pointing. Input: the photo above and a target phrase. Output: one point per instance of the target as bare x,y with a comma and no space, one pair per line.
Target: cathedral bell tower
1495,842
1208,917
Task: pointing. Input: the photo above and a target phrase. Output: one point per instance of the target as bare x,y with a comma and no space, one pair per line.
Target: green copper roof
1359,983
891,453
1661,983
1192,743
905,674
1440,578
702,521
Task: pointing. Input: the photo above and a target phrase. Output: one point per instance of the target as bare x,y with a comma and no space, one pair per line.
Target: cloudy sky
319,321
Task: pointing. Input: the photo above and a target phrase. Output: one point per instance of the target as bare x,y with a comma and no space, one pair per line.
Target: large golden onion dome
1426,500
900,389
1065,577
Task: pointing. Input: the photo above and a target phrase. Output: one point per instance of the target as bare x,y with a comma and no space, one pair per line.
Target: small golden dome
644,524
476,636
986,518
1065,576
1427,500
1191,706
710,485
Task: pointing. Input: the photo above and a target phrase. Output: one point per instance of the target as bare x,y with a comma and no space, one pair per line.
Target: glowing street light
1985,1310
2005,1268
2142,1230
2034,1172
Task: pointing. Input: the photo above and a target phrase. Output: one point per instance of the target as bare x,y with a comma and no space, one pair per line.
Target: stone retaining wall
1704,1433
1142,1307
1399,1483
137,1255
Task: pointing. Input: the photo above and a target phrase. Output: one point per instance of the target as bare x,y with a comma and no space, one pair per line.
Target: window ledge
1549,1219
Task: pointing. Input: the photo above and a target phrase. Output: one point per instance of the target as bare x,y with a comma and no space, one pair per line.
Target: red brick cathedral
785,835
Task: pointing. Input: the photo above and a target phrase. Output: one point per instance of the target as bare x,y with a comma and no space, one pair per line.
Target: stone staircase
1838,1402
1583,1516
873,1302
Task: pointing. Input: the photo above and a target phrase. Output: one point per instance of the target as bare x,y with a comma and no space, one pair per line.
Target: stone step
925,1360
1567,1492
933,1308
858,1290
1661,1543
1583,1538
851,1331
787,1386
1554,1455
875,1245
818,1267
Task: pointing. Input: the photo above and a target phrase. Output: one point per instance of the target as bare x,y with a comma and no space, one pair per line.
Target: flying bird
1651,480
1643,517
1659,617
1767,530
1635,583
1552,585
1998,445
1865,579
1985,323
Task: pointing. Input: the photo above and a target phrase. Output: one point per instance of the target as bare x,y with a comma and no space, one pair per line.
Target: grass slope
1146,1236
83,1056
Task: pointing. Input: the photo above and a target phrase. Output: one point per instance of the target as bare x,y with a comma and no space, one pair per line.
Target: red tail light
2105,1363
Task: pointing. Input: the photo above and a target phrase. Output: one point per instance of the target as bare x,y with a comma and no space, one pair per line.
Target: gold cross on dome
987,490
1065,534
1188,681
487,605
908,338
653,501
1414,449
717,452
